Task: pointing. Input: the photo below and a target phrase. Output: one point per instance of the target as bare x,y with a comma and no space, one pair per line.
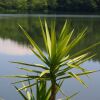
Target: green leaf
27,92
37,91
62,72
59,84
77,67
48,38
29,70
72,95
65,30
78,74
44,73
48,93
61,51
24,97
39,56
33,65
86,59
63,60
78,78
20,76
60,90
42,89
33,43
85,50
76,40
16,82
31,91
28,86
53,41
69,97
43,34
78,58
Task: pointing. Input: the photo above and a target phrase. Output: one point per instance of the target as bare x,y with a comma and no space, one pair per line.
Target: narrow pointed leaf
44,73
16,82
48,38
86,49
78,74
24,97
70,97
78,78
29,70
33,43
33,65
28,86
53,41
43,34
86,59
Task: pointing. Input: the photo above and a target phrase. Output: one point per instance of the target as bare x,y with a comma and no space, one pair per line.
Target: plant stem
53,90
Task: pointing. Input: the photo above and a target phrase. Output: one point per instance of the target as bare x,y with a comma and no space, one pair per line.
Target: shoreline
51,15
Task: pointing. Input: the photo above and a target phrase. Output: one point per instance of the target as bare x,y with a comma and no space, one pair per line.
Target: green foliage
45,6
42,93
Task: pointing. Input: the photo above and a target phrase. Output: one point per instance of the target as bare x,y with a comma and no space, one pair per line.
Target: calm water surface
15,47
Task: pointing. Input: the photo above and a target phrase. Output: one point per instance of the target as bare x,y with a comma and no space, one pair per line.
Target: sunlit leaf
33,65
44,73
78,74
78,78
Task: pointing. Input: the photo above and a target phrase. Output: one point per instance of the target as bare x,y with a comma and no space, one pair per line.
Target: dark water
14,47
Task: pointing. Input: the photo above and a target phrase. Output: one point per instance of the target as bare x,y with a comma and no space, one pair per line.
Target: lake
15,47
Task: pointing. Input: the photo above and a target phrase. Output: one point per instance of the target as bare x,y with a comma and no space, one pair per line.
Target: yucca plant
58,61
42,93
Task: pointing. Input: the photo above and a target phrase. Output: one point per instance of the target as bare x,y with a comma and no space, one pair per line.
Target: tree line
47,6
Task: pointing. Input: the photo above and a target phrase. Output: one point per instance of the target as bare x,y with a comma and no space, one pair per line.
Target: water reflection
15,47
12,48
9,30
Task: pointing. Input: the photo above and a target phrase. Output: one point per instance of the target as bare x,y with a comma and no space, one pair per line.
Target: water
15,47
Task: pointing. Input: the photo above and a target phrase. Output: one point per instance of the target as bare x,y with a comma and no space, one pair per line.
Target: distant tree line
49,6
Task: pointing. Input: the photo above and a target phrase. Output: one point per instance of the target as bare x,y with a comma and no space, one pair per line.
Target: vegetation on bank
49,6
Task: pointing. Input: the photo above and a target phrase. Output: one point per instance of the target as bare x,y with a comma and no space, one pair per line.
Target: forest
50,6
